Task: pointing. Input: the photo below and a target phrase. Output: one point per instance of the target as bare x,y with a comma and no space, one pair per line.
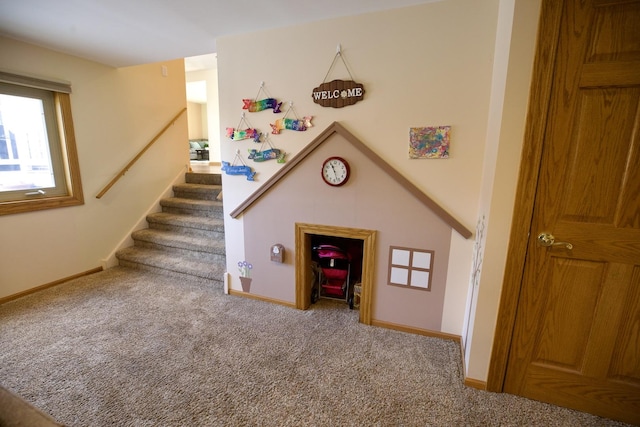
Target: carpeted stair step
197,191
169,264
184,245
212,228
186,239
178,205
203,178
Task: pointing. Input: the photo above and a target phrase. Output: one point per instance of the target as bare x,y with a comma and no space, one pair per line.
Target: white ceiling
132,32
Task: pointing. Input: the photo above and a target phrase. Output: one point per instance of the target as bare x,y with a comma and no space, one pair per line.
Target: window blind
17,79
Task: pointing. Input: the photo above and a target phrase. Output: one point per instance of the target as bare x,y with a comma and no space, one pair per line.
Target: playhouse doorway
358,239
337,265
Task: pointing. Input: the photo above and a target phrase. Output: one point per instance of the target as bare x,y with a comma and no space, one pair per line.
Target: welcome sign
338,93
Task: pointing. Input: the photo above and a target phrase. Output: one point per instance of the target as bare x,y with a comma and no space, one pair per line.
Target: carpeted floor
129,348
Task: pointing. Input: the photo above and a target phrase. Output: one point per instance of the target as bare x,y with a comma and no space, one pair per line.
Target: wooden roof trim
336,127
283,171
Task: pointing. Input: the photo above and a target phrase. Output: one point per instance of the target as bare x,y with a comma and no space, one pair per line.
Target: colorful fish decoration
263,104
269,154
292,124
240,134
230,169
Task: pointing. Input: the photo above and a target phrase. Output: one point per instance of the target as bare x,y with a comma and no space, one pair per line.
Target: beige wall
431,65
444,63
116,112
197,121
210,118
515,45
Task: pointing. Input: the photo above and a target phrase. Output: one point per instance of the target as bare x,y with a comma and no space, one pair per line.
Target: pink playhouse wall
370,200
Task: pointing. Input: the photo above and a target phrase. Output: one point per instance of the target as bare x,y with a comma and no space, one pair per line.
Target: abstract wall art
430,142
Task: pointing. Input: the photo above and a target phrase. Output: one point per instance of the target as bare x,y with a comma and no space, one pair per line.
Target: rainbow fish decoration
263,104
269,154
291,124
240,134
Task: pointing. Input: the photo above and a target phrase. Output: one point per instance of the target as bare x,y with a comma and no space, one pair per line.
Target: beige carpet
130,348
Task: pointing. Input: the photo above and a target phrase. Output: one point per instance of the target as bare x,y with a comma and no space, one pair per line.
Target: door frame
533,145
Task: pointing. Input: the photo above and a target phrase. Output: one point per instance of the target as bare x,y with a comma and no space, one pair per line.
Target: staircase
186,239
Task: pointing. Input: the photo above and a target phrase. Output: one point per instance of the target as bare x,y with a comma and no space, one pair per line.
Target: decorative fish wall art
263,104
268,154
241,134
230,169
238,167
291,124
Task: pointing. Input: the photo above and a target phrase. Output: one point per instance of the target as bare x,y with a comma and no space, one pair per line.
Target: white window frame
62,145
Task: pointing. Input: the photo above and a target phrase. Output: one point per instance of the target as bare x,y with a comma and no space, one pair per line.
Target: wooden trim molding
336,127
260,298
76,195
477,384
540,92
303,234
49,285
416,331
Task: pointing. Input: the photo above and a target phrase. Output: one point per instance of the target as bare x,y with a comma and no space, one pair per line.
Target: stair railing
135,159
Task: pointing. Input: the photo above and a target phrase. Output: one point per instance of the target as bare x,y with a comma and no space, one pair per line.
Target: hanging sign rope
338,93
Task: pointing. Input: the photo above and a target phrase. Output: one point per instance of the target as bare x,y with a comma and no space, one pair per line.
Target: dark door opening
336,268
366,266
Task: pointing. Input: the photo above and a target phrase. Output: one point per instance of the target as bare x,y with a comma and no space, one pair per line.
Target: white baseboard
227,280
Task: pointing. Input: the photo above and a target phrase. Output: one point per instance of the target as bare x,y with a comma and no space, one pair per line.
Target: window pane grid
410,268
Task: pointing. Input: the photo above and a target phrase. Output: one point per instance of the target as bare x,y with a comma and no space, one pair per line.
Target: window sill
22,206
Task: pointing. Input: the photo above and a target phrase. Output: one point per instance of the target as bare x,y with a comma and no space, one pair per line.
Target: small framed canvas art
429,142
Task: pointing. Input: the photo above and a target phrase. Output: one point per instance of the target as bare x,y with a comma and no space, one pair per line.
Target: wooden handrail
135,159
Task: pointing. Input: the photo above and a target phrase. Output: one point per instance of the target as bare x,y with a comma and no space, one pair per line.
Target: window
410,267
38,160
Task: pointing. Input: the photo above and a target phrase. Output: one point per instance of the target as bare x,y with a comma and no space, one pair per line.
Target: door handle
547,240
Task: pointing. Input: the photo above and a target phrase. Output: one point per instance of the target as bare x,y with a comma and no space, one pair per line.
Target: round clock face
335,171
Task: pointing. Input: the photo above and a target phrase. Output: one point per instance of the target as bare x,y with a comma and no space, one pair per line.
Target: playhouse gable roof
336,127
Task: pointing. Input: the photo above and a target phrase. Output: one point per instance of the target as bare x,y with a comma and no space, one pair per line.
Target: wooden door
576,338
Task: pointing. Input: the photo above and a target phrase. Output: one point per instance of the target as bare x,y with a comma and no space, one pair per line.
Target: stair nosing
161,260
198,187
175,201
181,240
187,221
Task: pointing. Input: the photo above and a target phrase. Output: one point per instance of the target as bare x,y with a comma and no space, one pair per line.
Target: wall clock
335,171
